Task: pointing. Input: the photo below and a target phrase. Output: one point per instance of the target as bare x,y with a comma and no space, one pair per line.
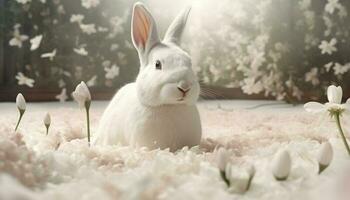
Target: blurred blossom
18,38
90,3
78,18
62,97
23,80
328,47
331,6
312,76
88,28
112,72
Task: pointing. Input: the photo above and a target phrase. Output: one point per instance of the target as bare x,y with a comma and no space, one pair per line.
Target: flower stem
337,119
87,108
224,178
21,112
47,129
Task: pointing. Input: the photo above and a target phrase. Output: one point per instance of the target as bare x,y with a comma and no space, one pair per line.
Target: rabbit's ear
143,29
176,28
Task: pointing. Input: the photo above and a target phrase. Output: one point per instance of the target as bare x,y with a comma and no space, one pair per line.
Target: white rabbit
159,109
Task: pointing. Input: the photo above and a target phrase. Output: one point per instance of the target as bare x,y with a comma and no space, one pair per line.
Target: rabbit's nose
183,86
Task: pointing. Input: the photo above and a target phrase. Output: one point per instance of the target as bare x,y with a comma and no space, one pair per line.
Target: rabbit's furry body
159,109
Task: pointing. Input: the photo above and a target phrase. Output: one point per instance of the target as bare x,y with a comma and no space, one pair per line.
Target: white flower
305,4
81,51
250,86
61,83
328,47
23,80
20,102
312,76
77,18
324,156
61,10
221,157
23,1
35,42
62,97
88,28
341,69
112,72
47,119
281,165
92,81
334,95
334,107
239,177
102,29
17,39
328,66
114,47
331,6
49,55
81,94
90,3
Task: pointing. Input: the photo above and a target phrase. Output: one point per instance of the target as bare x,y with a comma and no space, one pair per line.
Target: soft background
287,50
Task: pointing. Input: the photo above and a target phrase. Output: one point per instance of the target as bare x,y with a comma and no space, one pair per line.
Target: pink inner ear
141,27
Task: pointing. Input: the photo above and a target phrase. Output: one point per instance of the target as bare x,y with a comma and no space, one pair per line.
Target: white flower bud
47,119
81,94
281,165
239,177
325,156
221,158
20,102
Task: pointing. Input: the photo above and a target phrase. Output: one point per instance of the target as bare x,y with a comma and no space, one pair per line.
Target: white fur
153,112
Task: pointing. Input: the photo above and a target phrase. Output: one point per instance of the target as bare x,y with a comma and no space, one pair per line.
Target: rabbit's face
165,76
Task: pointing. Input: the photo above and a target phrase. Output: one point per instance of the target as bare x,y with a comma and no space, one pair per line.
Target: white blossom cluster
252,46
88,31
270,47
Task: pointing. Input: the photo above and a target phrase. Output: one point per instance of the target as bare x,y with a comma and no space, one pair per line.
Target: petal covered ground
62,166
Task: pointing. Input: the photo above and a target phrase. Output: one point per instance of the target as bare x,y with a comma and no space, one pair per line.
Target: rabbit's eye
158,65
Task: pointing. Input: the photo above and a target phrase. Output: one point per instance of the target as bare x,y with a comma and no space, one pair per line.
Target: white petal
314,107
79,98
81,94
35,42
85,91
334,94
348,101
